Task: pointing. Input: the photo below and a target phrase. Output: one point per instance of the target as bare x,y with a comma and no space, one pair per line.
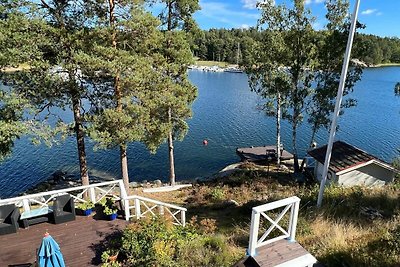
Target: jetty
262,153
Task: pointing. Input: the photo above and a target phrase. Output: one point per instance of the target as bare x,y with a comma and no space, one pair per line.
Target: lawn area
356,226
211,63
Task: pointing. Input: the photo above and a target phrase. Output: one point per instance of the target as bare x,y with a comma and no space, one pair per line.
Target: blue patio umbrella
49,254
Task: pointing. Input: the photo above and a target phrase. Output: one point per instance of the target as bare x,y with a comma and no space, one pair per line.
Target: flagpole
338,102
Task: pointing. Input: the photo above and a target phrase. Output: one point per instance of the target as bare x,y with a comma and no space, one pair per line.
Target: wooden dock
281,253
260,153
81,241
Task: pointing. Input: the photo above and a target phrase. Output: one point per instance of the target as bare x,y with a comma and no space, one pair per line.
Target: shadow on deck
80,241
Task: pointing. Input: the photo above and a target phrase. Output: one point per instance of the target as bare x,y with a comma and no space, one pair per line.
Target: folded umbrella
49,254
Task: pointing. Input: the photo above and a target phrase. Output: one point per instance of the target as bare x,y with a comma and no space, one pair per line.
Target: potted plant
110,213
85,208
109,210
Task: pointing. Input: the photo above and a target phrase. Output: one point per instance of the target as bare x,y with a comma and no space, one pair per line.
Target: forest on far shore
232,45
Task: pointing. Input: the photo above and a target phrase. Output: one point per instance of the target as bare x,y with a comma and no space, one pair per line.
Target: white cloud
252,4
308,2
244,26
379,14
369,11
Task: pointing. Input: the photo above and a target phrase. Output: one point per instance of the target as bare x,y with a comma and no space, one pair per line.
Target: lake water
225,113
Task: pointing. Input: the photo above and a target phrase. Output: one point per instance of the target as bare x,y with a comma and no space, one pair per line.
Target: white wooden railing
291,203
96,192
154,208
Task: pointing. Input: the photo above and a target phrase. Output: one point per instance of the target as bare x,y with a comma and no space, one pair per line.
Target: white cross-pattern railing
291,203
143,206
96,192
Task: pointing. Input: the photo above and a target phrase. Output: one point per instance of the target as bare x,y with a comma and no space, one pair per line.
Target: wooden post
137,208
92,194
183,217
25,203
255,224
161,209
293,220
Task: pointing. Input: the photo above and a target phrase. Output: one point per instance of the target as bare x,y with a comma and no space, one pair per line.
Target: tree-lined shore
232,45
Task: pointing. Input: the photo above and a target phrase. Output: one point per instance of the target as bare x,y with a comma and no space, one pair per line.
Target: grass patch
209,63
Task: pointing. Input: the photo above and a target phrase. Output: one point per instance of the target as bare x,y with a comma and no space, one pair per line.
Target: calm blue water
225,114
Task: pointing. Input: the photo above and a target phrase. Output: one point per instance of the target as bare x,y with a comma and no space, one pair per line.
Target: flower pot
111,217
87,212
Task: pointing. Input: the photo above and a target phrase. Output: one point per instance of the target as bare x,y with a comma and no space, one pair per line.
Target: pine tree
121,66
177,20
47,42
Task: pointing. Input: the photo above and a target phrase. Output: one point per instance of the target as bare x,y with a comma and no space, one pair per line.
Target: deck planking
80,241
279,253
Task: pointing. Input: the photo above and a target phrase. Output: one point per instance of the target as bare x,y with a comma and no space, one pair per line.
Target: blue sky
382,17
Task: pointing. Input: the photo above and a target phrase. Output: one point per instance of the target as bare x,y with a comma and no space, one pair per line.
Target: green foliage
85,205
108,206
221,44
217,194
12,126
156,242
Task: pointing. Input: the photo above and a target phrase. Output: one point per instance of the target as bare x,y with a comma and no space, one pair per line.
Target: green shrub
156,242
217,194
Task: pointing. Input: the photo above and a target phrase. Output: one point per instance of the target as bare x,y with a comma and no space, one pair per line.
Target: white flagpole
338,103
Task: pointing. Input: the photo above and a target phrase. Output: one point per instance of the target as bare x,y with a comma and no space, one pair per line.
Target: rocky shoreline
61,180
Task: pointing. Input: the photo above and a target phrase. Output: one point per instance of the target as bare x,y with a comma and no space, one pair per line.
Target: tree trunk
170,137
294,136
171,153
80,140
118,98
124,166
278,129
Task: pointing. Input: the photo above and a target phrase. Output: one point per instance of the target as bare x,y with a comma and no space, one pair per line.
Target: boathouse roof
346,157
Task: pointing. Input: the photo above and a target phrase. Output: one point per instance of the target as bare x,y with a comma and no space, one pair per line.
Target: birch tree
267,77
331,49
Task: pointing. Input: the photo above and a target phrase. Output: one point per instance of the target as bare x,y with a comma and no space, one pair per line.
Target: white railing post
124,201
183,217
293,220
122,190
25,204
126,208
161,209
137,208
92,194
255,224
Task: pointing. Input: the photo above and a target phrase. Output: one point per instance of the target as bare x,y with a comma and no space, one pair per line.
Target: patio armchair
9,215
63,209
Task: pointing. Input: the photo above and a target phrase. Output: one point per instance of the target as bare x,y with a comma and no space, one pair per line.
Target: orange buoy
205,142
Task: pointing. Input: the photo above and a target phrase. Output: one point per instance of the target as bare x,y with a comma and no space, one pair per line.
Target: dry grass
355,227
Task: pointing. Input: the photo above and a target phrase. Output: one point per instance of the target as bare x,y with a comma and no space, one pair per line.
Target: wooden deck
81,241
259,153
281,253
